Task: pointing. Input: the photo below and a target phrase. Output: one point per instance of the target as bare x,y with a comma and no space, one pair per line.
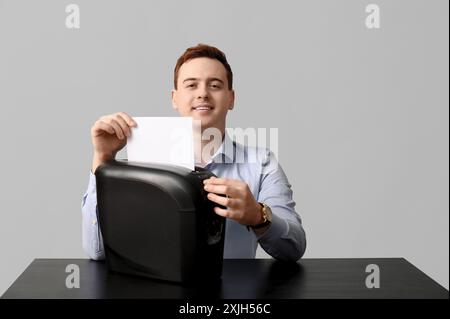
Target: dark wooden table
242,279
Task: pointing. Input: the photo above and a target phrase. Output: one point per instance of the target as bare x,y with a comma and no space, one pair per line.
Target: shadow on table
240,280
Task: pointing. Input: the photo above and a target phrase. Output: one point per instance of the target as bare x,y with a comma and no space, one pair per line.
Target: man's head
203,83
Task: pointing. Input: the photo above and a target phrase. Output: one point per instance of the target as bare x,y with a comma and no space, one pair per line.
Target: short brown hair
203,51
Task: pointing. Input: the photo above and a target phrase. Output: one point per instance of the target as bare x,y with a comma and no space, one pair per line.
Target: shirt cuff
92,186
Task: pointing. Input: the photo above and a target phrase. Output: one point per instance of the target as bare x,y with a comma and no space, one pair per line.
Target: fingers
225,186
229,213
102,126
221,181
118,124
235,184
221,189
224,201
222,212
123,125
239,201
128,119
115,126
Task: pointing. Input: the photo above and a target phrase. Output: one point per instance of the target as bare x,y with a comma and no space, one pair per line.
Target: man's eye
215,86
190,85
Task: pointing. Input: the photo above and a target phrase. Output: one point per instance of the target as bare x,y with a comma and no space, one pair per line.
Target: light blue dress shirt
285,239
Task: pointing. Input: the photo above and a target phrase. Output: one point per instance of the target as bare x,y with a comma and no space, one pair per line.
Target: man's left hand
240,203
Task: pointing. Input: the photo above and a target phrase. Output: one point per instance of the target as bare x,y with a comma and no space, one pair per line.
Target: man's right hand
109,135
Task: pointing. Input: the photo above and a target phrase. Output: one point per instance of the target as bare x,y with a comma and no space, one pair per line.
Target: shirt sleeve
285,239
91,234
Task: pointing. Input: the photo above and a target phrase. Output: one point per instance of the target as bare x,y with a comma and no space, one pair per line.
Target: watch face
264,217
268,213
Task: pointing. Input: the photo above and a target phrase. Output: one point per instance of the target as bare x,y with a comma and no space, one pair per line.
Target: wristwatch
266,215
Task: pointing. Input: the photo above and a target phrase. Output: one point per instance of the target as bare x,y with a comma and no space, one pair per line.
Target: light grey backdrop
362,114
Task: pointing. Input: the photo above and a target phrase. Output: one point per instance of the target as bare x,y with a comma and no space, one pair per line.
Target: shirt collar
225,153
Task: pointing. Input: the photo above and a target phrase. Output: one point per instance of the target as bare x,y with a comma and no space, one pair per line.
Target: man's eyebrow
215,79
209,80
190,79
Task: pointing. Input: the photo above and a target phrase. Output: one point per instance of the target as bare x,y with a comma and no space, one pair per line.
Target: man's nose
202,92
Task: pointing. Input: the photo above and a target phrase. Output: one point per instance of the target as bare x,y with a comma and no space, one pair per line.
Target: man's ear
231,100
174,99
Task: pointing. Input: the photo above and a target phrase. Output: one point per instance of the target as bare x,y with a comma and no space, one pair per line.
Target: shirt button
94,222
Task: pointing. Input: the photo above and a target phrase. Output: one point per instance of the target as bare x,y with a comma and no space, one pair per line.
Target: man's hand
109,135
239,200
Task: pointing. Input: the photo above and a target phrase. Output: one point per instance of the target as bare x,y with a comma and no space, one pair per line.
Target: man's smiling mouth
203,107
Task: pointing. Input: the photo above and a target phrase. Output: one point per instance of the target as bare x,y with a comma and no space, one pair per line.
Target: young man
258,201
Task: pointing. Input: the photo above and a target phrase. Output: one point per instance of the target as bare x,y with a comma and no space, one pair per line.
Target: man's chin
205,120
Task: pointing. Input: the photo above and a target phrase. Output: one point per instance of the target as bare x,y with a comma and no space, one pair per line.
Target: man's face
203,92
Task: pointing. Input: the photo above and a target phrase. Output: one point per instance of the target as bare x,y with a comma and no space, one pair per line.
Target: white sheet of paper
163,140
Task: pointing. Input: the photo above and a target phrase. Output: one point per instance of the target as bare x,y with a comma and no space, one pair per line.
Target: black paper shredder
157,222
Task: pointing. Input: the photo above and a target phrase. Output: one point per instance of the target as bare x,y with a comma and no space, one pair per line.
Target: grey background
362,114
